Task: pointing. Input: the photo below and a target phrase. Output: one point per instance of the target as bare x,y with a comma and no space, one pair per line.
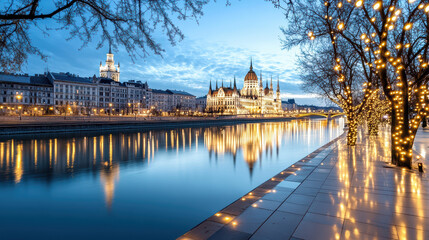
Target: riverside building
169,100
67,93
253,98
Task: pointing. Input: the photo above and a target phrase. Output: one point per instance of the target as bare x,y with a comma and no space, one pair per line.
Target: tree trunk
394,150
352,132
403,139
406,159
372,128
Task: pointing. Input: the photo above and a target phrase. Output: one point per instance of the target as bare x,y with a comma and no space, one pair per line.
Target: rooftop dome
266,91
251,75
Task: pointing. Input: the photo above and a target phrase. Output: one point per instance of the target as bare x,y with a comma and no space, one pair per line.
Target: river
142,185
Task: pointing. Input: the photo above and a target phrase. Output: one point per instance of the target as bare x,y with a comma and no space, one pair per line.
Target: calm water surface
145,185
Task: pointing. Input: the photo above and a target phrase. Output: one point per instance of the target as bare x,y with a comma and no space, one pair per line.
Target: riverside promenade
336,192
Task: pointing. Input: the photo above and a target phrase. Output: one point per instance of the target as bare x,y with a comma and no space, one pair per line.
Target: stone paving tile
348,235
410,221
250,220
307,191
332,189
278,194
312,184
355,230
300,199
259,192
330,209
279,226
411,233
315,226
296,178
237,207
330,197
230,234
369,217
318,176
300,209
266,204
288,184
202,231
222,217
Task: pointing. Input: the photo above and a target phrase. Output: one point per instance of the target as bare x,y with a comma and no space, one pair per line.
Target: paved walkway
334,193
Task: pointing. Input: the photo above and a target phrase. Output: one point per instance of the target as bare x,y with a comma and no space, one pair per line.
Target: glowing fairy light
359,3
408,26
377,5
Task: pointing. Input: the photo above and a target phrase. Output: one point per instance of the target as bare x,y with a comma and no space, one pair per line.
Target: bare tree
129,23
347,88
391,38
330,68
375,110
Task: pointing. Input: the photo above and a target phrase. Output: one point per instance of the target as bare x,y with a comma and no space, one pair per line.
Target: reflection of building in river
109,176
255,139
47,159
51,158
252,139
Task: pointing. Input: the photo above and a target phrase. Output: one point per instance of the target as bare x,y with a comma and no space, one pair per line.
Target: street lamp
20,112
19,97
110,110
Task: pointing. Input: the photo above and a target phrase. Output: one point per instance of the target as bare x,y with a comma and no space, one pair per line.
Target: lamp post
135,114
19,97
110,110
20,112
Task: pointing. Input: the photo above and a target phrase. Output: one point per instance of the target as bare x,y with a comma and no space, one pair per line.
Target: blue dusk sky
218,47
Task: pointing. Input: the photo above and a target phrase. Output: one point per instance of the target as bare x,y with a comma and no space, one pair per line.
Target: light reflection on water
154,184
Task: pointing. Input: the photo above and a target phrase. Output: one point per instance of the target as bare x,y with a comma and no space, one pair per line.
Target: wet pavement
336,192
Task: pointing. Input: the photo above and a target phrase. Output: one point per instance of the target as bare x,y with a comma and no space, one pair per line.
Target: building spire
235,85
216,85
110,48
271,83
251,64
278,84
210,88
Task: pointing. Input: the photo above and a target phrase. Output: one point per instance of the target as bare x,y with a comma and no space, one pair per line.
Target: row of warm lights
379,64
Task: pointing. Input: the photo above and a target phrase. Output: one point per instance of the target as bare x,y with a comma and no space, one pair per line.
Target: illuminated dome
251,75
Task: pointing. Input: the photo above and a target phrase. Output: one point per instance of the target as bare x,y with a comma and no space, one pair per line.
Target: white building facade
67,93
251,99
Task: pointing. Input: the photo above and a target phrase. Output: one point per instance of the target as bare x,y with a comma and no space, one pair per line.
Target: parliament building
253,98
